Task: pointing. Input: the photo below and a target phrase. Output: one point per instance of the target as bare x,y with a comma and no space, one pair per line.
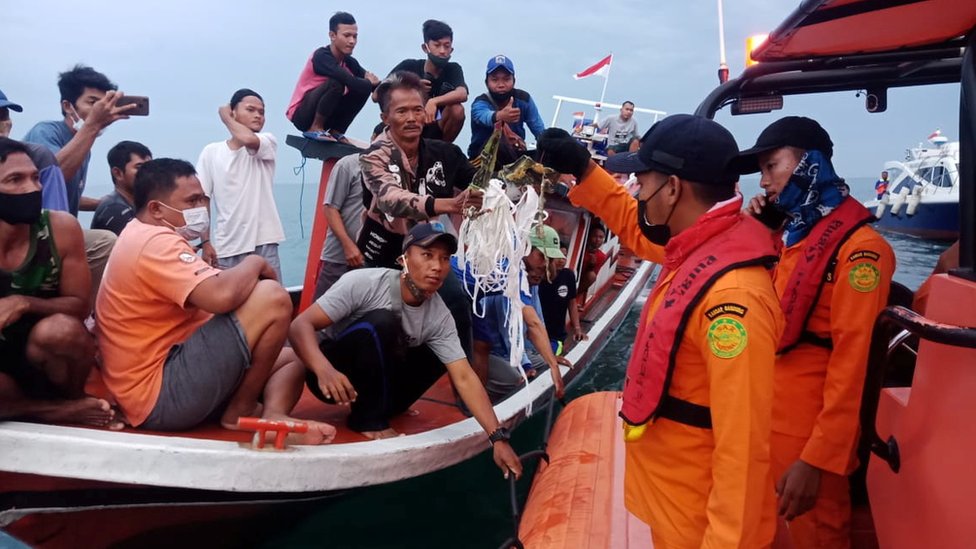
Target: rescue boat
111,486
917,440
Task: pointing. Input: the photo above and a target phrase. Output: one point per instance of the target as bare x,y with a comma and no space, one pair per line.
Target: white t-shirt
241,202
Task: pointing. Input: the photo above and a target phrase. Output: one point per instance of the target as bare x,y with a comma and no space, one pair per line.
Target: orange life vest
815,267
722,240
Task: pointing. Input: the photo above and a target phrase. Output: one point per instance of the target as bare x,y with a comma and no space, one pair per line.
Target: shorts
200,375
268,251
329,274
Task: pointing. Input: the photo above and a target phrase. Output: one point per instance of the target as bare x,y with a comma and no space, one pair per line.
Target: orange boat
920,438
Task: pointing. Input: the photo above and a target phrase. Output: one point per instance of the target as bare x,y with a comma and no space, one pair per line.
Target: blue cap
688,146
425,234
4,102
500,62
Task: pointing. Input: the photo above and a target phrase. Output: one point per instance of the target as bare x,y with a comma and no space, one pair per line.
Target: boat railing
883,346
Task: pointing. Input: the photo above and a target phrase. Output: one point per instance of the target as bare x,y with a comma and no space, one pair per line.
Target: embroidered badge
187,257
726,309
562,291
864,277
727,337
864,254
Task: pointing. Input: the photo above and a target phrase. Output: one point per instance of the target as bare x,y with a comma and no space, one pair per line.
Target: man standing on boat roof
238,175
45,351
88,107
117,209
332,87
388,337
832,280
506,104
182,341
443,82
698,396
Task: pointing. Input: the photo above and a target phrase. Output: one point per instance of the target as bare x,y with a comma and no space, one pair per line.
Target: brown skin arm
574,321
476,399
354,257
240,135
229,290
88,204
332,382
540,338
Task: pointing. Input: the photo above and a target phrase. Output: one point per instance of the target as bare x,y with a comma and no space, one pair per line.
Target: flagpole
603,94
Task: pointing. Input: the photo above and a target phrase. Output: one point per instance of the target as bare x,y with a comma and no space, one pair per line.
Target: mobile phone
140,101
772,217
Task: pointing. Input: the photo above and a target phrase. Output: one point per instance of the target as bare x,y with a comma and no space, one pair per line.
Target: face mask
500,99
657,234
20,209
412,287
439,62
197,222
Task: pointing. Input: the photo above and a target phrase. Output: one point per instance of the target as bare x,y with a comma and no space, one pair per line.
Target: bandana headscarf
813,191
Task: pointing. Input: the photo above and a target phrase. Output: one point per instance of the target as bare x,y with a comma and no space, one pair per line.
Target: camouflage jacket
395,195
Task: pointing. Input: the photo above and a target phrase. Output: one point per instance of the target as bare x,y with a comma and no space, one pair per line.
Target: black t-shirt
556,297
113,214
451,78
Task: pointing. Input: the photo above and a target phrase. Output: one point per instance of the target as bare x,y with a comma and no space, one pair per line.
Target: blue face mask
812,192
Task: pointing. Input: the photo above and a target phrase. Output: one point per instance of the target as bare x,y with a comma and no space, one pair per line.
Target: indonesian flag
602,68
935,134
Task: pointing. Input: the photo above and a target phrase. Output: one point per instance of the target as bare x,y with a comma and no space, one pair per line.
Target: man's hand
756,205
579,334
354,257
456,205
509,113
558,150
266,271
335,385
506,459
104,112
557,376
430,112
372,78
426,84
11,309
208,253
797,489
225,113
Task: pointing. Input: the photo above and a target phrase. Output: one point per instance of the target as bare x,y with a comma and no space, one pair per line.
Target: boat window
940,177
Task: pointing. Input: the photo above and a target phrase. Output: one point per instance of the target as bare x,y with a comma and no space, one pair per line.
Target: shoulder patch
864,254
727,337
864,277
726,309
187,257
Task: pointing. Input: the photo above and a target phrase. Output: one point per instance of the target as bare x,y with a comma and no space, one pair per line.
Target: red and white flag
935,134
601,68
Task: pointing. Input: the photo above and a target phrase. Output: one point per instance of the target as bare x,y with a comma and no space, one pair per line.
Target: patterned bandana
813,191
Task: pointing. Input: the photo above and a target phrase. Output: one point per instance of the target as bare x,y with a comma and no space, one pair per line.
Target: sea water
466,505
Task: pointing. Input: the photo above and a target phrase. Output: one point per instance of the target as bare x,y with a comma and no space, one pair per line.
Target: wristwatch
501,433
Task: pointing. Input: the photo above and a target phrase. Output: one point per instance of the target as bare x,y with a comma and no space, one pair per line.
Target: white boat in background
923,194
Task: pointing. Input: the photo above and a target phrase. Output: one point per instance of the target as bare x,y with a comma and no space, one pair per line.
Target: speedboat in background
923,194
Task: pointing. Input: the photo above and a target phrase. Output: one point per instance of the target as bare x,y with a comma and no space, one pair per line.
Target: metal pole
967,159
603,94
723,68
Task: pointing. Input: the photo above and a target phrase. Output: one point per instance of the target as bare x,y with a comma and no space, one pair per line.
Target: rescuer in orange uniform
832,280
698,397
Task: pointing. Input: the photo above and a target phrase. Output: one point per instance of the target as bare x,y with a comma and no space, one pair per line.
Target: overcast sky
189,57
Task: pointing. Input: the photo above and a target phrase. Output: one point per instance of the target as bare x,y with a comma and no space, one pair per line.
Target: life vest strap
685,412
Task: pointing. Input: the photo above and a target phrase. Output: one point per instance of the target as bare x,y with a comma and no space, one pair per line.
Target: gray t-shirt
619,131
344,192
363,290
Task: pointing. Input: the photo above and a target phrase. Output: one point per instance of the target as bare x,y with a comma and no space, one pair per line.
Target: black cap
425,234
792,131
690,147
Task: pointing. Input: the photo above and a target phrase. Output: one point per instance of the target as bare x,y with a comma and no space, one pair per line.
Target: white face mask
197,222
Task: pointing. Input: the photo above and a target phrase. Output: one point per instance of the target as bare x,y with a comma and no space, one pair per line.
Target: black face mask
20,209
500,99
439,62
657,234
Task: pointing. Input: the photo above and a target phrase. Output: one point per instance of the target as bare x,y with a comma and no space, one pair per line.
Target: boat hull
932,220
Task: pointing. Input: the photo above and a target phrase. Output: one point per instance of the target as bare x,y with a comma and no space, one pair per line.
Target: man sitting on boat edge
45,351
388,338
182,341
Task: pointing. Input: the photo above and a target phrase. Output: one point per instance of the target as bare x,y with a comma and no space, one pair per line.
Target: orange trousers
828,524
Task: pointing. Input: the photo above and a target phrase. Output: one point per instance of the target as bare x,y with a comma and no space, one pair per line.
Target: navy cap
500,62
688,146
792,131
425,234
4,102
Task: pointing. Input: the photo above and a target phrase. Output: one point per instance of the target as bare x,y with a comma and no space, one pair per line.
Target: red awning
821,28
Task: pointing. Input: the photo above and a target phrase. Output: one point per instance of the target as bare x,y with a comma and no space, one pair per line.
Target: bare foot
412,412
377,435
83,411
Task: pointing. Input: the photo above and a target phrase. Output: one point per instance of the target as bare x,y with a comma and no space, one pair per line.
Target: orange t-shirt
141,312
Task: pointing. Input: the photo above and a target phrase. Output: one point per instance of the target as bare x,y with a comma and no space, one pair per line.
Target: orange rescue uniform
818,390
699,487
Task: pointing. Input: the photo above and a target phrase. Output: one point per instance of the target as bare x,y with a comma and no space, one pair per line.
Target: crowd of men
742,394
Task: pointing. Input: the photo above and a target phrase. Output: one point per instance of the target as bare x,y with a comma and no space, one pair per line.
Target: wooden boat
918,440
56,478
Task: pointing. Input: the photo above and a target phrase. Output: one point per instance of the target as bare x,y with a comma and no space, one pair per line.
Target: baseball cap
500,62
425,234
688,146
4,102
791,131
547,242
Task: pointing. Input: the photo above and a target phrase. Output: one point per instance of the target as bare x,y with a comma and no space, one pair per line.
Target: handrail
877,368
